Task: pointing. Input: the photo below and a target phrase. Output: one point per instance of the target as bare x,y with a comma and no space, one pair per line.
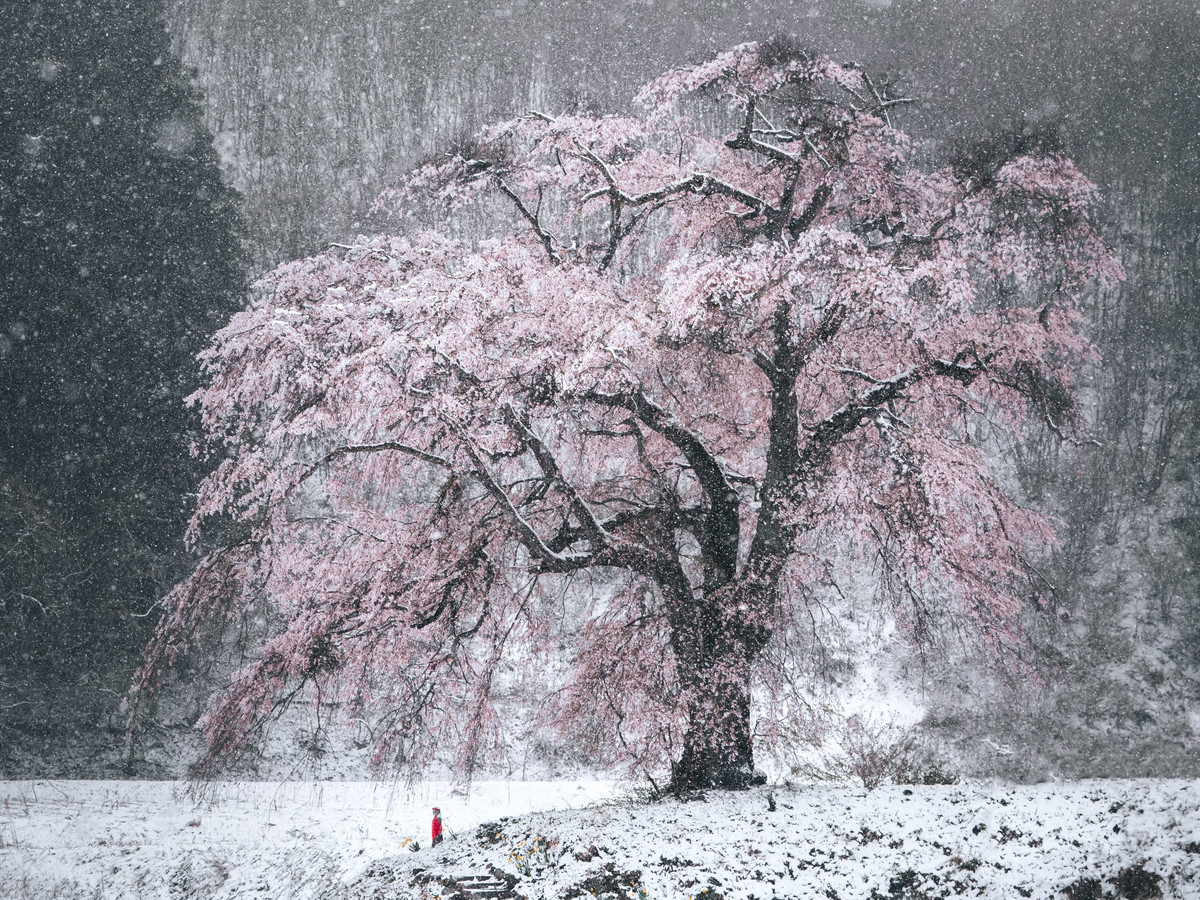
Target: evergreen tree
119,255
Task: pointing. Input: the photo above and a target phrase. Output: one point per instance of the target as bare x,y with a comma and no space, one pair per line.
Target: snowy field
560,840
152,839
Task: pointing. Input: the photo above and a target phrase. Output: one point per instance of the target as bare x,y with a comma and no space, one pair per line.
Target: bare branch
546,237
374,448
591,156
746,140
615,200
702,183
857,374
882,102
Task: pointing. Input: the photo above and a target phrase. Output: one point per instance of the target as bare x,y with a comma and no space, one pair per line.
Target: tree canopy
729,350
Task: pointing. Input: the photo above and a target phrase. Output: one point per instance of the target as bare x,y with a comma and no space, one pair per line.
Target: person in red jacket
437,826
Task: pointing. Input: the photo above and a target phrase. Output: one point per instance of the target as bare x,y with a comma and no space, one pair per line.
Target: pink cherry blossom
596,466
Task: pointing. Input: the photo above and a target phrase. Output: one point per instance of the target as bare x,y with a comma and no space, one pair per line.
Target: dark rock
1135,883
1084,889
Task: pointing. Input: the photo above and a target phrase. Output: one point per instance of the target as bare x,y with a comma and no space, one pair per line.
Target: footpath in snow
558,841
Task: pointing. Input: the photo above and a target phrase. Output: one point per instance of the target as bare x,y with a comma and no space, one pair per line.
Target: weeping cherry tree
624,441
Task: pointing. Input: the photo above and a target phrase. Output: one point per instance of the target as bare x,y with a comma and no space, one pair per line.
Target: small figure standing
437,826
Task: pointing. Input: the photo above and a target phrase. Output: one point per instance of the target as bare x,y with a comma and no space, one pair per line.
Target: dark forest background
120,252
155,156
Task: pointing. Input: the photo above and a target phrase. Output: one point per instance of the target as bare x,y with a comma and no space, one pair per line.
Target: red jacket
437,827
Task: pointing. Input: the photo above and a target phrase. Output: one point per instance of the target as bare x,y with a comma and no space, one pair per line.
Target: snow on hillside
559,840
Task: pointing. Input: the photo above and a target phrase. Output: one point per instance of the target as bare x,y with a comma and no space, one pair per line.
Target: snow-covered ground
1134,839
118,839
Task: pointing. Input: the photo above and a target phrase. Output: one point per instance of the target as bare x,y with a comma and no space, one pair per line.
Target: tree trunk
717,749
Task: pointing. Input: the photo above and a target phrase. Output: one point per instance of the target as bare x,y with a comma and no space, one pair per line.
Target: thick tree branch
526,533
745,140
658,419
642,516
592,528
719,536
702,183
764,362
827,434
774,533
802,222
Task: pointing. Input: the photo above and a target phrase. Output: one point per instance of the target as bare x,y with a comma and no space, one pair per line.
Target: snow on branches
595,462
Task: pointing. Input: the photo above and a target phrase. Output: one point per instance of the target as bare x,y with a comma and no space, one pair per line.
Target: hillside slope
1081,840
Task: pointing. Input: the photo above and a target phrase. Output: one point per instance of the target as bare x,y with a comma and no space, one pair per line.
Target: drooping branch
475,557
373,448
789,464
973,187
